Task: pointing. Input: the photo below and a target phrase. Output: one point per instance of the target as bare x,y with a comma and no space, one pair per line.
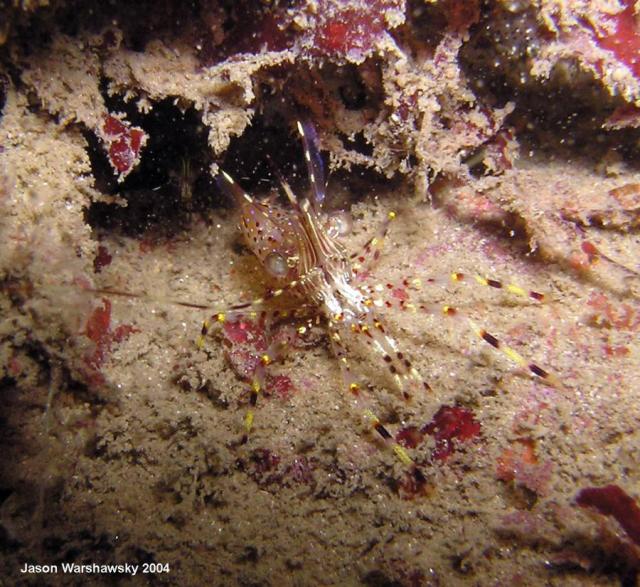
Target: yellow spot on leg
514,355
248,421
369,414
402,455
515,289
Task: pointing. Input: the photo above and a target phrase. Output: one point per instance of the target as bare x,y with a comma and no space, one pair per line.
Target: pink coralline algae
123,143
351,29
622,38
614,501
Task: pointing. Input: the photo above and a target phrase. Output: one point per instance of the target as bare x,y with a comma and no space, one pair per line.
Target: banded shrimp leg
363,405
273,333
370,327
449,311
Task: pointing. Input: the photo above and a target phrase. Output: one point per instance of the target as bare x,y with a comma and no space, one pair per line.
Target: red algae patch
621,35
124,143
612,500
450,425
352,30
99,330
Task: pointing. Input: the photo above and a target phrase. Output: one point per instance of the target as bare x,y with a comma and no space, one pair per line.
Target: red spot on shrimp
400,293
590,250
615,351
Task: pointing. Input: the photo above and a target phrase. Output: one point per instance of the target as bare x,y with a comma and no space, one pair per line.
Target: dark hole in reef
250,554
358,143
362,182
427,21
474,161
164,19
270,146
249,27
351,88
140,22
172,180
353,95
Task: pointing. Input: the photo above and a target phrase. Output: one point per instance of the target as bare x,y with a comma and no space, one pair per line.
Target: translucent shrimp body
299,248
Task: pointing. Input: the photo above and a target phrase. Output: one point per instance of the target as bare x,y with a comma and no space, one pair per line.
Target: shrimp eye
339,223
276,265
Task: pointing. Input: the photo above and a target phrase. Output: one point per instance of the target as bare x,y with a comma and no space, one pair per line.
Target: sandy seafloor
146,466
147,470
